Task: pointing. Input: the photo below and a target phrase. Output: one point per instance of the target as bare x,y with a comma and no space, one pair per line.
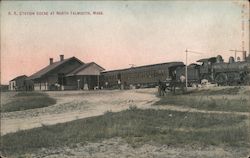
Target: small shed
18,83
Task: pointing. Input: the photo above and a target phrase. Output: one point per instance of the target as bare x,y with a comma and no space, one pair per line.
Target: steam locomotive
215,70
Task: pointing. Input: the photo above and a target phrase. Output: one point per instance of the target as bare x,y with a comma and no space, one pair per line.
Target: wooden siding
139,75
90,70
48,81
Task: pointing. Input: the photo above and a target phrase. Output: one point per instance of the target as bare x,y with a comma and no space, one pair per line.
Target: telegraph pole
186,72
249,28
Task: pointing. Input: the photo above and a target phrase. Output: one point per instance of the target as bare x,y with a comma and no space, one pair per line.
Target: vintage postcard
125,79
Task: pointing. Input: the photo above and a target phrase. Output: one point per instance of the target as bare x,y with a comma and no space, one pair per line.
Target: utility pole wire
194,52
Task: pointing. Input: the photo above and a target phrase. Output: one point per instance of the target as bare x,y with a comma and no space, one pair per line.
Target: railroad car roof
145,66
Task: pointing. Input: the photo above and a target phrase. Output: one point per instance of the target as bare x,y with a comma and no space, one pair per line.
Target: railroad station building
67,74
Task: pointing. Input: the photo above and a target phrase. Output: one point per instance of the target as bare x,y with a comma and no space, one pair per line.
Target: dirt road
72,105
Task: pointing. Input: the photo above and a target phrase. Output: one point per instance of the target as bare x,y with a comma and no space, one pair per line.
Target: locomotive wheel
221,79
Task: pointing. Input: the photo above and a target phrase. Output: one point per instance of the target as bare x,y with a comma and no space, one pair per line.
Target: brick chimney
61,57
50,61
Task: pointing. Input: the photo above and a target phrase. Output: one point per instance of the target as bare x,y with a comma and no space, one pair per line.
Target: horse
162,88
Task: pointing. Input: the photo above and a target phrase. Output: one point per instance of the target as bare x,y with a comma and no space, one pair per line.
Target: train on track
213,70
139,77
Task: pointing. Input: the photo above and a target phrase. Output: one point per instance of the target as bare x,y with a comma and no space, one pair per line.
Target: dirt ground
119,148
72,105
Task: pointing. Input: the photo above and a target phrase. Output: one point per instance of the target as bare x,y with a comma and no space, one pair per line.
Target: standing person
161,88
182,79
119,84
106,85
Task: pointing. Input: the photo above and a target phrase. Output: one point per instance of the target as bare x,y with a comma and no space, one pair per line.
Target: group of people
119,84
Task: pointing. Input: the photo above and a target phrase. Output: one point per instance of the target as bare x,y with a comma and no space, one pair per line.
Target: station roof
19,77
51,67
79,70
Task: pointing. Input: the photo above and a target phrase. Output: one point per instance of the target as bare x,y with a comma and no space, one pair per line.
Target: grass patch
224,91
247,92
137,127
207,102
28,100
